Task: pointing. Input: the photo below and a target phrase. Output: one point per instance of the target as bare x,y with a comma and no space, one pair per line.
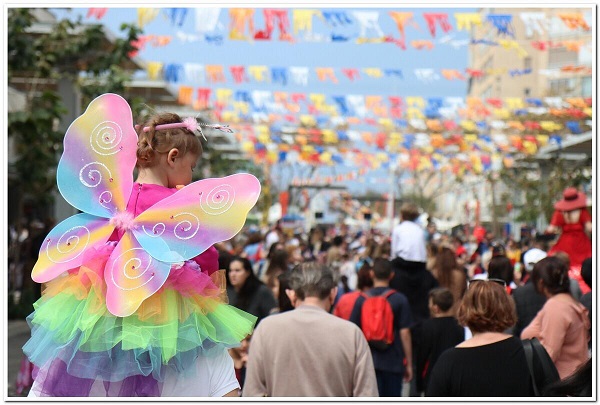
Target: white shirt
272,237
408,242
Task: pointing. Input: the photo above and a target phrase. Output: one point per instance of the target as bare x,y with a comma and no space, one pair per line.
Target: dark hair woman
562,324
246,292
501,268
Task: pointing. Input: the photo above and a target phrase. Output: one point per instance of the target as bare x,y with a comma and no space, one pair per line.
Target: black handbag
541,367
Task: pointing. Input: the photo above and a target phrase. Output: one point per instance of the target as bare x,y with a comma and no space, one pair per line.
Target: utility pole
492,180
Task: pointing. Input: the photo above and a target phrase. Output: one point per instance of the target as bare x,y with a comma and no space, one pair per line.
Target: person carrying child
135,304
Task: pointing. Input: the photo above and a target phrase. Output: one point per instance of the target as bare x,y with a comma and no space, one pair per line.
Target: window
527,63
560,57
527,91
487,93
586,87
561,87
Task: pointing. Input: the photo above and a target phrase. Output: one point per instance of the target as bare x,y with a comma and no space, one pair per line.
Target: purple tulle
61,383
57,382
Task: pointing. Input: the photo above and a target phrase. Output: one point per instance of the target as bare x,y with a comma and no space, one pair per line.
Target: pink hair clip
191,124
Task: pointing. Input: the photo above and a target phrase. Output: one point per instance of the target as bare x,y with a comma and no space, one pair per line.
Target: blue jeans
389,384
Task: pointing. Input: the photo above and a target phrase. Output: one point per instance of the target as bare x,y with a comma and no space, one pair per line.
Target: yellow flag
146,15
223,95
464,21
373,72
415,101
302,19
154,69
257,72
514,103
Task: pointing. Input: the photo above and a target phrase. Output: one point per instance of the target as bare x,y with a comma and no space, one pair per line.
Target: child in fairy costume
134,303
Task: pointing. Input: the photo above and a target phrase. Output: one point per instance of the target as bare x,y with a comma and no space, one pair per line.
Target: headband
191,125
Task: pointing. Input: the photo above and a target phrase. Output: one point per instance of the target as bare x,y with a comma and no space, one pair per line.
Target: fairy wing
95,171
131,276
64,247
205,212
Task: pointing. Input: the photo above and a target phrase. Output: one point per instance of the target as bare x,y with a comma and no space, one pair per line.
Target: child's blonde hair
161,141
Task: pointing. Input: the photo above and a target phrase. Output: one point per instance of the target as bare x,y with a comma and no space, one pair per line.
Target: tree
541,183
36,62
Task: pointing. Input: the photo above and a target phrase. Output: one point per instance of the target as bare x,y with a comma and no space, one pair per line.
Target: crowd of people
459,307
333,313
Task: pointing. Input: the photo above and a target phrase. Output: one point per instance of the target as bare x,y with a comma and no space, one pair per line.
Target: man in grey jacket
307,352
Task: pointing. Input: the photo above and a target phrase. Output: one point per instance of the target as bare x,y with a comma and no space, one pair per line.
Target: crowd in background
259,261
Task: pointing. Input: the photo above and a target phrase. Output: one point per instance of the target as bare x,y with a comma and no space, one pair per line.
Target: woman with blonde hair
491,363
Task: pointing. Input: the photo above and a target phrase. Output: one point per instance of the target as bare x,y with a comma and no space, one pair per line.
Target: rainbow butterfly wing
194,218
65,246
131,276
95,171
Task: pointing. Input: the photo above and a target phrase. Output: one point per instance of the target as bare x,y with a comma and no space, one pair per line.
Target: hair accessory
191,124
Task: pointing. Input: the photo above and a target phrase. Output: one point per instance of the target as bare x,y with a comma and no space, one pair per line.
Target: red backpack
377,320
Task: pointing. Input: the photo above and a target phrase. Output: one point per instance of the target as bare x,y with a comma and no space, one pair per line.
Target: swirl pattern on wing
65,246
187,227
157,230
131,276
132,270
218,200
106,138
69,245
94,175
219,206
95,171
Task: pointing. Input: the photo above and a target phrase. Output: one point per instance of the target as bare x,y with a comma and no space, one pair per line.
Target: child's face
182,170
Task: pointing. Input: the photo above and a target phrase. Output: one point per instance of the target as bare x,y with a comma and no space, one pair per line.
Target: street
17,334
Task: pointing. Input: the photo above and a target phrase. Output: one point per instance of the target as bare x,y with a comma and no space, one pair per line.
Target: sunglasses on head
493,280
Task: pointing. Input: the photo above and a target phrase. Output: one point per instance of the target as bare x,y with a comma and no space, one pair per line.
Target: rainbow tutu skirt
76,343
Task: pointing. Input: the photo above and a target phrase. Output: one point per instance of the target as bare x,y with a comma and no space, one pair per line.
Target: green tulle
167,320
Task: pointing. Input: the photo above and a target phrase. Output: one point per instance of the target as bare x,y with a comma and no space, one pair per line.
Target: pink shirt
562,328
143,197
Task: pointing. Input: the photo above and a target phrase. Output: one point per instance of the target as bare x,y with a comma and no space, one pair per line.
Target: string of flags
238,105
301,75
457,153
294,25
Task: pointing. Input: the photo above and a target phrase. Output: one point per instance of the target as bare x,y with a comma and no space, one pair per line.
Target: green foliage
423,201
23,307
69,50
36,142
542,184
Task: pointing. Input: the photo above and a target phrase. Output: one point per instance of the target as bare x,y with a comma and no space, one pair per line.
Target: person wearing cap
575,223
528,302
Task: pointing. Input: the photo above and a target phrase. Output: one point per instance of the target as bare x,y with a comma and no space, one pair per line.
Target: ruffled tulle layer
75,341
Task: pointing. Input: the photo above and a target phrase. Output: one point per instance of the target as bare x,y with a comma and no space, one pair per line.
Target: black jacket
528,303
414,281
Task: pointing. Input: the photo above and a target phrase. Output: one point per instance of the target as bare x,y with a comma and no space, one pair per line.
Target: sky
312,54
337,55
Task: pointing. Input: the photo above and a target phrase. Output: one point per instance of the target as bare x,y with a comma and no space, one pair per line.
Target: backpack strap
550,374
388,293
528,348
